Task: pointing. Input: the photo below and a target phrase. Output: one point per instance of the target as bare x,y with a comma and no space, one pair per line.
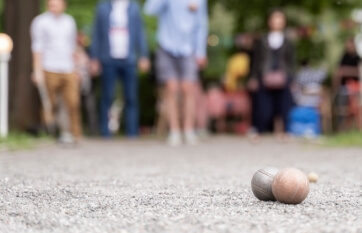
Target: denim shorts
169,67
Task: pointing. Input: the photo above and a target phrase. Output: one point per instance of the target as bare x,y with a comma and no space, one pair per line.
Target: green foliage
310,51
348,139
1,15
248,9
218,57
321,47
151,28
19,141
82,11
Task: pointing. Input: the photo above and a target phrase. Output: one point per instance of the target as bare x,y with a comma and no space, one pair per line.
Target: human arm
73,39
95,67
201,35
74,46
155,7
291,63
37,43
253,82
38,74
143,63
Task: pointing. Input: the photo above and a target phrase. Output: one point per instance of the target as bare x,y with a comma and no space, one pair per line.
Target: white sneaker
174,139
66,139
191,138
202,134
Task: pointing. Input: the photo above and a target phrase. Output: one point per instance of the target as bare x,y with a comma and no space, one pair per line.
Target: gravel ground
144,186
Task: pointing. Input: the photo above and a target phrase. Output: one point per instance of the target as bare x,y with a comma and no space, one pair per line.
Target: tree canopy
245,10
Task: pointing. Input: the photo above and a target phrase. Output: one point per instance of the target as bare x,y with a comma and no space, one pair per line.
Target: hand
95,68
37,77
294,87
144,65
78,76
193,7
202,62
253,84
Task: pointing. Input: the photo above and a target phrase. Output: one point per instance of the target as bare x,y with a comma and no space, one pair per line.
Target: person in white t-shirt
118,45
53,36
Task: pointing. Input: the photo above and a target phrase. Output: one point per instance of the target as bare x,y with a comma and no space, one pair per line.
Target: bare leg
278,126
201,109
189,108
172,88
172,105
162,120
188,90
279,130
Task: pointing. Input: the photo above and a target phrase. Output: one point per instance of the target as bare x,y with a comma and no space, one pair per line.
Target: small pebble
313,177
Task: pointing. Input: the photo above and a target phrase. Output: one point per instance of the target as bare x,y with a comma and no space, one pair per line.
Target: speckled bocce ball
290,186
261,183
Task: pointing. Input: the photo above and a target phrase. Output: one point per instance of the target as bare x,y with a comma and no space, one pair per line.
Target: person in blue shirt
182,38
118,43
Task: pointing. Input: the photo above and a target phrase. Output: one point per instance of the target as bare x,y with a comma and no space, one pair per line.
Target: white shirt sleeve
74,34
155,7
37,37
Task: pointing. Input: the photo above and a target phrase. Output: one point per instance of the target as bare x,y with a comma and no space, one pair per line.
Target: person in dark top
347,88
272,76
348,67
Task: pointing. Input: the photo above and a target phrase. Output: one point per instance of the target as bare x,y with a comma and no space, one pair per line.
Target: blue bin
304,121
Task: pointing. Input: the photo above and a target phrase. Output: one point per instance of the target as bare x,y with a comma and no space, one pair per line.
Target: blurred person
272,76
229,110
237,68
309,80
347,89
239,64
237,106
118,41
305,118
88,99
348,67
182,38
53,36
201,111
246,44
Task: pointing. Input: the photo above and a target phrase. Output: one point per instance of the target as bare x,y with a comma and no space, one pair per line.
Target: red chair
223,106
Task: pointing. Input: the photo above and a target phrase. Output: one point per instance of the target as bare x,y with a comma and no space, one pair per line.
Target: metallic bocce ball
261,184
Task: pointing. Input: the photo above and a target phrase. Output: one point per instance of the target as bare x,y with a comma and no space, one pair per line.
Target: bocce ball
290,186
261,183
313,177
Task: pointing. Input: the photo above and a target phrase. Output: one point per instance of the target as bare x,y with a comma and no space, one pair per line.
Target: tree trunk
24,105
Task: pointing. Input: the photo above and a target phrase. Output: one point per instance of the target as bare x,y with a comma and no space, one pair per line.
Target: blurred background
319,30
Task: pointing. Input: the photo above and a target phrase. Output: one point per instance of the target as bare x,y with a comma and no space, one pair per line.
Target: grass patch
347,139
20,141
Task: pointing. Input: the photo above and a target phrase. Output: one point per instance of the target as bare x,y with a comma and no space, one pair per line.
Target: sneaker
191,138
66,139
174,139
253,136
202,134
